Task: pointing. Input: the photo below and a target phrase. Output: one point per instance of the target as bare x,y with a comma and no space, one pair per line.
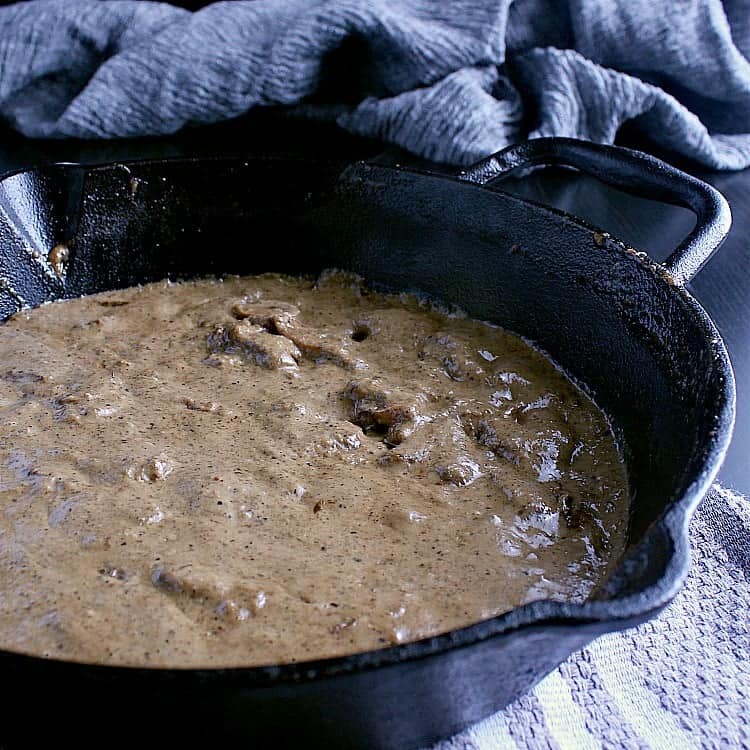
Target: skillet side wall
607,317
605,314
407,705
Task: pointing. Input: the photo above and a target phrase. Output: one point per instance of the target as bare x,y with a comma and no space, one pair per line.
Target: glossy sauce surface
267,469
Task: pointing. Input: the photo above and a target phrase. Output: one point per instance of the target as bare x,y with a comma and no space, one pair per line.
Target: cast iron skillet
621,324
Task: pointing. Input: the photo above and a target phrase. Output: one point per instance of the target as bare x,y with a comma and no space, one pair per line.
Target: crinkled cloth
679,682
450,81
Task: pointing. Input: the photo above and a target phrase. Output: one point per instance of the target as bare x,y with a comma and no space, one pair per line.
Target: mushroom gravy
267,469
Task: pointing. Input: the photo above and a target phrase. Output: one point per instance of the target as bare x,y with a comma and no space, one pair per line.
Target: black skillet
619,323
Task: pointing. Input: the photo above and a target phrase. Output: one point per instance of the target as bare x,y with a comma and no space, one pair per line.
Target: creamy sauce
264,470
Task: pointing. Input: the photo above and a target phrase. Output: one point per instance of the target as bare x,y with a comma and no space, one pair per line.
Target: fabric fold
448,81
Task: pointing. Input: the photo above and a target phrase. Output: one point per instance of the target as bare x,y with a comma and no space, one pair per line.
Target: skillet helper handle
633,172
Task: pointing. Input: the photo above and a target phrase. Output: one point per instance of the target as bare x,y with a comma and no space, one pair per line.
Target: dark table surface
723,286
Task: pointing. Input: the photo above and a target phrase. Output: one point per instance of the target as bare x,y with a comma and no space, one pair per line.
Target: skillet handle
633,172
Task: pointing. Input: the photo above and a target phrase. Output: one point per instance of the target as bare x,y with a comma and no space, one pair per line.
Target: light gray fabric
452,81
680,681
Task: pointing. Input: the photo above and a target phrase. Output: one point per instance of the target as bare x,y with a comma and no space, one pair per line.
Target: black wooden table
723,286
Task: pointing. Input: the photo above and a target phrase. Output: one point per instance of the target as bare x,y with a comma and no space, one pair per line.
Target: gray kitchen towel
451,81
679,682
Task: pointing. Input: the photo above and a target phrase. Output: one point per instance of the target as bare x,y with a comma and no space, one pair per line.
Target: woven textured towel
452,81
679,682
